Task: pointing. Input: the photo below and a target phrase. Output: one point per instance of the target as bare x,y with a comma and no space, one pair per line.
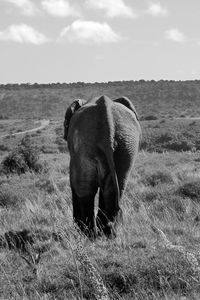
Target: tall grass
140,263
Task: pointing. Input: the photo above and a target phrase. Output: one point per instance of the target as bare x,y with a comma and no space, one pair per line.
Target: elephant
103,138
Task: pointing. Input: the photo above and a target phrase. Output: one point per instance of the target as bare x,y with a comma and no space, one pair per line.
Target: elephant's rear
127,127
127,139
108,133
103,142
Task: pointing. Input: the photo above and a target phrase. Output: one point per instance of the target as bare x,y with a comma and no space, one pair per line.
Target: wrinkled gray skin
103,138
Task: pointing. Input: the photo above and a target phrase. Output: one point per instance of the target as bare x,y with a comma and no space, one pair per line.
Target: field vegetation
156,252
155,99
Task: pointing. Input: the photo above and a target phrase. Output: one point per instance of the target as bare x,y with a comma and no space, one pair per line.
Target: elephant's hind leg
108,207
83,213
84,186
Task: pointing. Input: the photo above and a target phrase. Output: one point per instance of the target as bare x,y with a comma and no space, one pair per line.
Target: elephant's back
86,120
84,127
92,126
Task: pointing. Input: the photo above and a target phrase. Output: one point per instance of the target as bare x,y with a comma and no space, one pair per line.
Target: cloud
60,8
155,9
99,57
194,72
175,35
88,32
27,7
23,34
113,8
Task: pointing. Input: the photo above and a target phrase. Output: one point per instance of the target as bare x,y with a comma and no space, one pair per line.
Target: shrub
3,117
49,148
8,197
62,145
162,121
46,185
180,146
149,195
25,157
3,148
164,138
191,190
158,177
14,163
150,118
143,145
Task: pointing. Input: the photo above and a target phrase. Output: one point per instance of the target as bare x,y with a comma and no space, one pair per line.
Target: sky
47,41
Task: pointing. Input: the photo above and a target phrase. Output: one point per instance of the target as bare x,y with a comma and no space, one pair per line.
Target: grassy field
164,191
156,252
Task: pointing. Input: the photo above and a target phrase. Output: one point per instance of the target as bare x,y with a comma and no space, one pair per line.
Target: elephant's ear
69,113
126,102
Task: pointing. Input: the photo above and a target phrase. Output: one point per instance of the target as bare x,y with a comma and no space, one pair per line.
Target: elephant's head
69,113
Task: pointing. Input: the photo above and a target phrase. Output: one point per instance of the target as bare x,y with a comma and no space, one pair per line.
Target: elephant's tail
111,163
107,140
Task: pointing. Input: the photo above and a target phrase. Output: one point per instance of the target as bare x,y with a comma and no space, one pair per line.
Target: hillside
160,99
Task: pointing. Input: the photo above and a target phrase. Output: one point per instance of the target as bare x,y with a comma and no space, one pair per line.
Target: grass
132,266
58,262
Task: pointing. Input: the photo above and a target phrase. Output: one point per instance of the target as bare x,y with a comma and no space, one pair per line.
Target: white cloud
88,32
60,8
22,34
113,8
194,72
175,35
156,9
99,57
27,7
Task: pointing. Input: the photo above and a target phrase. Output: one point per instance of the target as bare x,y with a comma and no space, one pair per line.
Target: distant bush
149,195
4,148
197,145
8,197
162,121
3,117
62,145
164,138
49,148
25,157
144,145
180,146
197,159
160,176
149,118
190,190
46,185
